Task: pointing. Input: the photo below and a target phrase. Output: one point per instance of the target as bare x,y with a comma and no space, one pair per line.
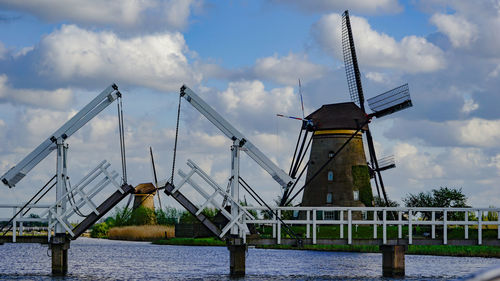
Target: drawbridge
91,198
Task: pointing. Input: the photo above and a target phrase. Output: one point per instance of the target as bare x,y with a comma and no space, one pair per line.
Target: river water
97,259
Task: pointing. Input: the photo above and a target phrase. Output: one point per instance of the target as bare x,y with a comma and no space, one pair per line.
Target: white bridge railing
312,217
79,198
17,223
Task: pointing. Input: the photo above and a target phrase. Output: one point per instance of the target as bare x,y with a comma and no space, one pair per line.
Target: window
329,215
356,195
329,198
330,175
331,154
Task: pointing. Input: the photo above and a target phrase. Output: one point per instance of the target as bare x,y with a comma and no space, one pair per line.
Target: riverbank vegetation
141,233
141,224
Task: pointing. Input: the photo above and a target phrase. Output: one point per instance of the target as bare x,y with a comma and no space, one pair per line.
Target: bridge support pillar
59,246
237,257
393,260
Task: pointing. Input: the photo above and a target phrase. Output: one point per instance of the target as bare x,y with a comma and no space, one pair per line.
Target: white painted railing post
349,226
314,227
14,225
274,225
433,235
480,227
498,225
278,222
445,227
467,225
308,225
342,224
400,225
410,227
384,228
375,218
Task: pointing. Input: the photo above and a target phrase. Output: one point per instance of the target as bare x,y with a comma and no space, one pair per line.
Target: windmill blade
387,163
301,100
351,63
391,101
154,175
291,117
356,90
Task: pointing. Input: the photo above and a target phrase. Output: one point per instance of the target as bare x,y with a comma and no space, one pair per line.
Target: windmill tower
338,173
345,181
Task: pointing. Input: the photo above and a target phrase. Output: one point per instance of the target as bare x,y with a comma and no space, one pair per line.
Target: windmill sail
351,63
356,91
391,101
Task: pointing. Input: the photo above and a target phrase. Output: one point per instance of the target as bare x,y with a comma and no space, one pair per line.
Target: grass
141,233
210,241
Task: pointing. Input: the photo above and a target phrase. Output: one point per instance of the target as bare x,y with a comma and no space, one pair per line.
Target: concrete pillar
237,257
59,246
393,260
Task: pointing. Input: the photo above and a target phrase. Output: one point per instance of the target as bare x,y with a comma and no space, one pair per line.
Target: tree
443,197
379,202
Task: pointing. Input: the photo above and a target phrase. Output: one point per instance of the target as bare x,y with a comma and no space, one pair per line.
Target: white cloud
361,6
479,132
474,132
57,99
286,70
417,164
469,106
250,98
378,77
123,14
461,32
158,61
412,54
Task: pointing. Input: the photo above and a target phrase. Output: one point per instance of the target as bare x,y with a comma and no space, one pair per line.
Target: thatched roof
346,115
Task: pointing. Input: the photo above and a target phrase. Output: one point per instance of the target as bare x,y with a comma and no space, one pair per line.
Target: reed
141,233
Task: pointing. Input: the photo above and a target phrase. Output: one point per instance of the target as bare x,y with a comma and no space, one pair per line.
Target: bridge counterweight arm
93,108
232,133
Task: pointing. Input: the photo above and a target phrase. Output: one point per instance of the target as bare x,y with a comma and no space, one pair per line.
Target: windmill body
345,181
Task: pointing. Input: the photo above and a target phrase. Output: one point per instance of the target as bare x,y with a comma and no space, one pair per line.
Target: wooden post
237,257
59,246
393,260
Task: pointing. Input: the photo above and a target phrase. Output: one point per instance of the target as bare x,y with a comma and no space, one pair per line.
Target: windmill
343,179
145,192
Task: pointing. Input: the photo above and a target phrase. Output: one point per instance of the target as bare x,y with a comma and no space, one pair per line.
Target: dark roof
346,115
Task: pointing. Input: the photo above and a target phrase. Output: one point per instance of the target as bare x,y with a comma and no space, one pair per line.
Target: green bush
99,230
187,217
142,216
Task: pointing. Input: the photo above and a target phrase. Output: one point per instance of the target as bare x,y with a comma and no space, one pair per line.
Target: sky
244,58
